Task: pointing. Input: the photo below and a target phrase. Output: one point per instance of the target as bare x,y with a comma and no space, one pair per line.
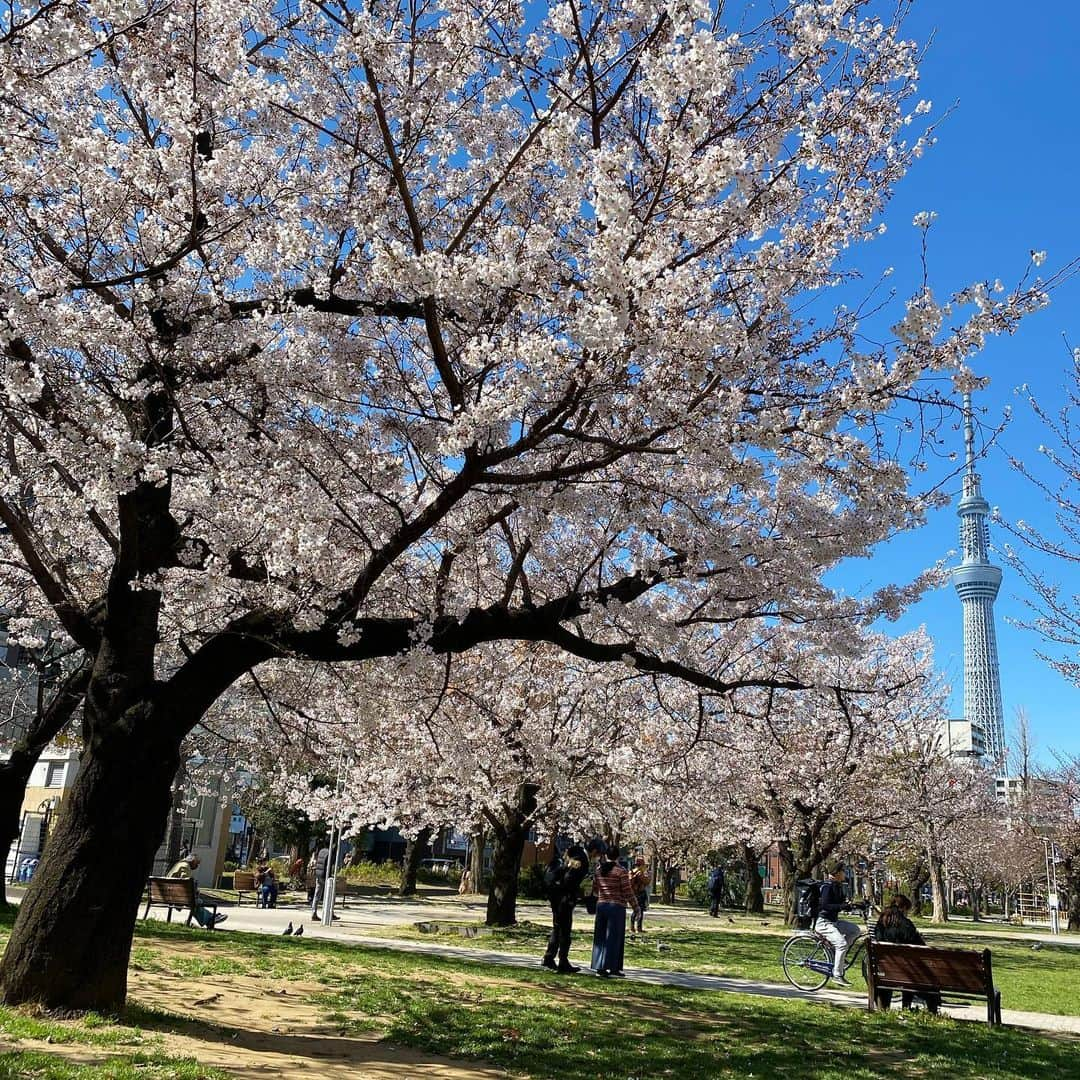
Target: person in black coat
563,879
894,926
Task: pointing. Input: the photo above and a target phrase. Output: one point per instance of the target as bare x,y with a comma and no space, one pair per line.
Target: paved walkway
359,917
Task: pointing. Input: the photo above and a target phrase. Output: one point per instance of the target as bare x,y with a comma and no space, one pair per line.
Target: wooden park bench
176,893
244,882
924,969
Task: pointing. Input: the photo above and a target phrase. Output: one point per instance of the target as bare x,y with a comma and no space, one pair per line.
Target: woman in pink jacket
611,887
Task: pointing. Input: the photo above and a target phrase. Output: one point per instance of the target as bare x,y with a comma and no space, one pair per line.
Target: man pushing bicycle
838,932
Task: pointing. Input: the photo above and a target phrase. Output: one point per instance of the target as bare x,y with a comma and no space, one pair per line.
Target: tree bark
509,834
476,861
414,852
71,942
15,772
13,777
940,911
1071,889
917,878
755,895
787,863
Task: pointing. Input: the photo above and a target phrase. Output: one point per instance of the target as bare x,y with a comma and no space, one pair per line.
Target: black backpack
807,901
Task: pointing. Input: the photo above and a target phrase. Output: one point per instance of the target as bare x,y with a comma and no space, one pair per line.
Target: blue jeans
609,935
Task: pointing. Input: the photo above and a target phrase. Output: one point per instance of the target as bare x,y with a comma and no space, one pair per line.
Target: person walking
894,926
322,862
564,877
716,890
611,887
838,932
639,886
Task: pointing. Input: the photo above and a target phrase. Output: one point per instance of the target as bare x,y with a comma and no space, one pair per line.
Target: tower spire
977,582
969,437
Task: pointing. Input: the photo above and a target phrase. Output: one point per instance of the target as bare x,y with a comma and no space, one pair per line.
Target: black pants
562,922
714,908
933,1000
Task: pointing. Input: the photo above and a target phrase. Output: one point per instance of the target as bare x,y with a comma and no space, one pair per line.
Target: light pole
335,843
1053,908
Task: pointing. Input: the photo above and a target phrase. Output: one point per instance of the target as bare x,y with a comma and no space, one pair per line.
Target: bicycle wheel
806,964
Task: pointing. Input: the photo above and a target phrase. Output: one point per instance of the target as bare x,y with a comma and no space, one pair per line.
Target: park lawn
36,1065
1044,979
536,1024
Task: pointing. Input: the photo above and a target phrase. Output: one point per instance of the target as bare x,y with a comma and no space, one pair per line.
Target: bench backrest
179,892
243,879
924,966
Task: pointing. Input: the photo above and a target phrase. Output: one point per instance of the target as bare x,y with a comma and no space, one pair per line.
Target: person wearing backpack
838,932
563,879
716,889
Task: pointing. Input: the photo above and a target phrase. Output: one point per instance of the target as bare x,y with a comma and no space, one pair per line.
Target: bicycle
807,957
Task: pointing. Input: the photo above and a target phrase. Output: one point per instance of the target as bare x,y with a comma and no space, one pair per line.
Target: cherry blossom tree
39,696
508,740
329,331
1055,610
813,769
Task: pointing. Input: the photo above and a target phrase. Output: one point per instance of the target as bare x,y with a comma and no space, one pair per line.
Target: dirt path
255,1028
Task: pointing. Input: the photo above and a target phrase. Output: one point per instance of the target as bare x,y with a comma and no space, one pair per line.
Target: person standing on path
639,885
838,932
716,890
611,887
564,884
322,862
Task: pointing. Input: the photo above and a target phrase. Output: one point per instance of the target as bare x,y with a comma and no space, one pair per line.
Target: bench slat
928,967
924,968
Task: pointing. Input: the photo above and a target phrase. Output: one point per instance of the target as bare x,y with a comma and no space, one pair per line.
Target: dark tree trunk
1071,890
71,942
414,852
755,895
476,861
45,725
918,877
791,875
13,777
509,835
976,899
937,887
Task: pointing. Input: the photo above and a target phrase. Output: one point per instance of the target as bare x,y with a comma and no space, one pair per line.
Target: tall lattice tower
977,584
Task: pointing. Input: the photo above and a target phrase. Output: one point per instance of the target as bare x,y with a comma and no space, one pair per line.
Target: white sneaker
839,980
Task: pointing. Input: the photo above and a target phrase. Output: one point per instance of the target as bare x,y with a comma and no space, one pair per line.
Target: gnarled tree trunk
414,852
940,911
45,725
72,939
509,832
755,895
476,861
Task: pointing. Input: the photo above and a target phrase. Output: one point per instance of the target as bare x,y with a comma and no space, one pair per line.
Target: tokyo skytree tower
977,584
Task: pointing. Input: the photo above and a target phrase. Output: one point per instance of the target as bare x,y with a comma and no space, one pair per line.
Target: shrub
531,882
372,873
697,888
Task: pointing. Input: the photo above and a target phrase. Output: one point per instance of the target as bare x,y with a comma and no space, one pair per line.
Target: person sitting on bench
894,926
185,868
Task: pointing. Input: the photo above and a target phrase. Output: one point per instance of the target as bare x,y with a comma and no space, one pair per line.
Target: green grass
578,1028
33,1065
1046,979
545,1026
90,1028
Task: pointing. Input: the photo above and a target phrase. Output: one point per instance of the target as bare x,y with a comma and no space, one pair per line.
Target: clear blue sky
1003,180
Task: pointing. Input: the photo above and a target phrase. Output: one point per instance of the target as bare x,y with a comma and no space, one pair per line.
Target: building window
54,774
